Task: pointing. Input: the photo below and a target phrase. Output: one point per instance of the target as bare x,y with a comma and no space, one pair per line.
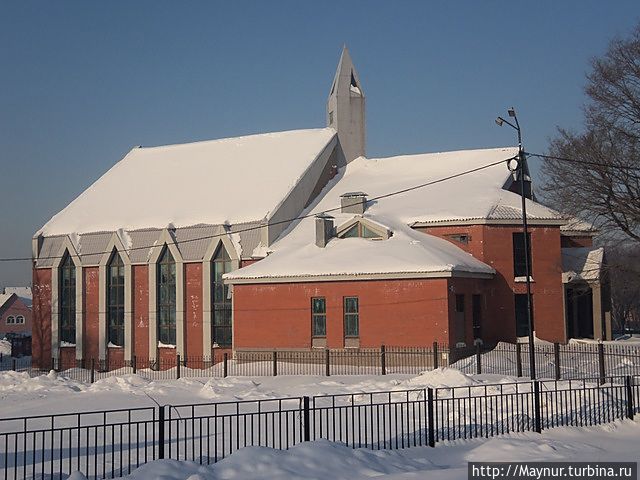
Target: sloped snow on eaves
407,251
231,180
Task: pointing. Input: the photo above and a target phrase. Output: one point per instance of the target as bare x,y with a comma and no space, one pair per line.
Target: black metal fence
553,361
106,444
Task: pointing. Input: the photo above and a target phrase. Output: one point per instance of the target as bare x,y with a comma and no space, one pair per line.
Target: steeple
345,108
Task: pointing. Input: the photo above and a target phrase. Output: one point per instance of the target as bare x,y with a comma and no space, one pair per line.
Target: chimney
353,202
324,229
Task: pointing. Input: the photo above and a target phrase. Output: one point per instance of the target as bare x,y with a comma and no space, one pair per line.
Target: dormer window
360,227
360,230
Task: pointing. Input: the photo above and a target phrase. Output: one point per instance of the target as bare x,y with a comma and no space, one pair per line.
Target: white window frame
20,320
11,320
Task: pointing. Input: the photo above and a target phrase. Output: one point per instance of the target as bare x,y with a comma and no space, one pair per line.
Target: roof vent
353,202
324,229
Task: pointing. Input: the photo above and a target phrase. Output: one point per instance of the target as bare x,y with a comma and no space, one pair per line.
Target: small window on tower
354,86
330,118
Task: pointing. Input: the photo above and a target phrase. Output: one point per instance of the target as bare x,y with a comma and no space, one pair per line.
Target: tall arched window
115,300
67,296
166,298
221,320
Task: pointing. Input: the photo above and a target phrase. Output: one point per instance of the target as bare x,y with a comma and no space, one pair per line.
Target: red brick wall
140,316
468,287
193,309
392,312
67,358
573,242
41,333
494,246
91,324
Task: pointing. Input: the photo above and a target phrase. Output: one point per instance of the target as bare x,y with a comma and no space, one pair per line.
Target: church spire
346,107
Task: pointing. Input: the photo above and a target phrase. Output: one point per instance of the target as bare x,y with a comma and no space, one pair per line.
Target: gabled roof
233,180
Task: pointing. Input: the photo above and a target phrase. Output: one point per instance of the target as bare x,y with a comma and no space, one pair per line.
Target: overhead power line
584,162
301,217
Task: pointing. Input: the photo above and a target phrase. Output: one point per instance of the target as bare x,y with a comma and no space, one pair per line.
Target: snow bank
5,347
441,378
21,382
321,459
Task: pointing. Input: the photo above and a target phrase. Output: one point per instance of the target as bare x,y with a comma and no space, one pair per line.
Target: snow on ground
5,347
323,459
21,395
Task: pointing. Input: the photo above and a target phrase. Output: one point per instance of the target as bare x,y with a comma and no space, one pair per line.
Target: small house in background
15,315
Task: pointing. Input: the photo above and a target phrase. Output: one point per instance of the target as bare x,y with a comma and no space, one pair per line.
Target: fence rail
553,361
106,444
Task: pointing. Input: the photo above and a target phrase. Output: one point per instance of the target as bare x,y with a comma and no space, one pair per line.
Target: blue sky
83,82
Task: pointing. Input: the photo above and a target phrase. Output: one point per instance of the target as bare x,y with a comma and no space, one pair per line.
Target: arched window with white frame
166,298
67,299
115,300
221,311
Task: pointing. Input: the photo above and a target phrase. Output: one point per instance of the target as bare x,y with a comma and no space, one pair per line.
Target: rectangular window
318,317
351,317
522,321
519,257
460,320
476,312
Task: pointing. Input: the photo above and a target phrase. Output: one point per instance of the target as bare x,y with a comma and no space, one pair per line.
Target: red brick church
286,240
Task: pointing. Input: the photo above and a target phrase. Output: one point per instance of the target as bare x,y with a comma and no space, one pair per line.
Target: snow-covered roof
476,197
582,264
231,180
24,293
578,227
407,253
4,298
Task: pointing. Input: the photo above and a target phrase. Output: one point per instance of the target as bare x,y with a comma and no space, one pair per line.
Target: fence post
430,427
305,419
53,364
518,359
160,432
383,360
327,365
628,384
478,359
275,363
178,366
93,370
225,365
435,355
601,362
556,356
134,364
13,364
536,406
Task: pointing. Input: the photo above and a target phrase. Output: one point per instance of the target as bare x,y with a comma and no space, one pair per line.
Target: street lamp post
520,169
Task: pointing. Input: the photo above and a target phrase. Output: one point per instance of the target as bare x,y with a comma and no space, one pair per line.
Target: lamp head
512,112
499,121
